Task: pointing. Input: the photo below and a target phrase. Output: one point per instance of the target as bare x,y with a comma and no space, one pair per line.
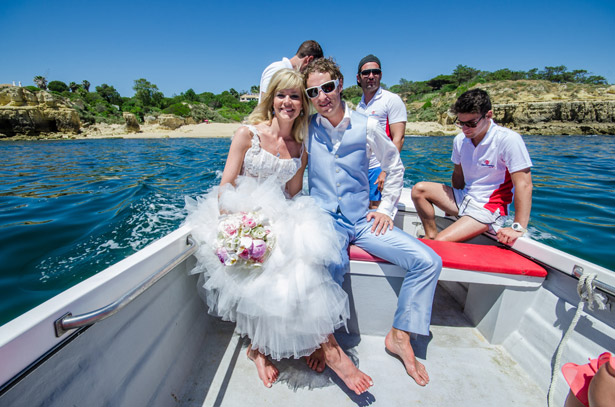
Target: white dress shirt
384,149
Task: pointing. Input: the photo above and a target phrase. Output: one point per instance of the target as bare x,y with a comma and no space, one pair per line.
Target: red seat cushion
467,256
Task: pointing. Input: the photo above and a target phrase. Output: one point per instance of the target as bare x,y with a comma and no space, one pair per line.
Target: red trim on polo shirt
502,196
387,128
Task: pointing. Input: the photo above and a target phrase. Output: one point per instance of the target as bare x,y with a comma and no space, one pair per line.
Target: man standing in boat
340,142
388,109
307,51
491,162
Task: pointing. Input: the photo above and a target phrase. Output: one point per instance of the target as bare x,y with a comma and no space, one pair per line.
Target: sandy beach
212,130
202,130
430,129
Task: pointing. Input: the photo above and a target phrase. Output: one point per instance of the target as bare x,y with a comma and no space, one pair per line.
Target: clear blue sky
217,45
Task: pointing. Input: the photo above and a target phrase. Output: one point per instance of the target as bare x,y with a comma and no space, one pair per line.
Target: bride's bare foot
398,343
316,361
341,364
267,372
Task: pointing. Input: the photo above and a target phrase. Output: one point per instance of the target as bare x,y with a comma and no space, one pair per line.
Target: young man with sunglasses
491,163
307,51
388,109
340,142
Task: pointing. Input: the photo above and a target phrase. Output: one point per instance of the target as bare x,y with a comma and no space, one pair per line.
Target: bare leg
427,194
602,387
316,361
267,372
398,342
341,364
462,229
572,401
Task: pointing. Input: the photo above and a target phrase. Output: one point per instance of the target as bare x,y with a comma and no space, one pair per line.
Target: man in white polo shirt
388,109
307,51
492,165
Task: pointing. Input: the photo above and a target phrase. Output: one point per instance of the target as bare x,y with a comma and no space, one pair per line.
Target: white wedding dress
290,305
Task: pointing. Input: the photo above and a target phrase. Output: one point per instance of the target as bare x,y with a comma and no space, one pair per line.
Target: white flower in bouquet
259,232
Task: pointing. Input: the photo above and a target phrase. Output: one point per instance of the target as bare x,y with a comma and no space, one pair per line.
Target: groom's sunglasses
326,87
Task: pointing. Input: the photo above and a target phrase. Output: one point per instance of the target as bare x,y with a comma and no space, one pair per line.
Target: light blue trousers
423,267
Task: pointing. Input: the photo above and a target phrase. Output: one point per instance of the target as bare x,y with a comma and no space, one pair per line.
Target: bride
289,306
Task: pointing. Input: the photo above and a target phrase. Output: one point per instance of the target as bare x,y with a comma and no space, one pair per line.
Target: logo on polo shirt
486,164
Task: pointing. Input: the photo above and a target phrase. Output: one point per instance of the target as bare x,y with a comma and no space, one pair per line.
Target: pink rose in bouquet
244,238
259,248
248,221
230,229
225,257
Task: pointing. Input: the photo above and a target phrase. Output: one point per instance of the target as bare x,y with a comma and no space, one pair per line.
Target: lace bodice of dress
259,163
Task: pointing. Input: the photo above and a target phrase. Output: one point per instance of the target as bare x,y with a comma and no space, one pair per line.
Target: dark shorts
374,194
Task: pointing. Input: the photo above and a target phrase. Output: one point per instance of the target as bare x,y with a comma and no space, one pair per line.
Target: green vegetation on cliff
106,105
428,100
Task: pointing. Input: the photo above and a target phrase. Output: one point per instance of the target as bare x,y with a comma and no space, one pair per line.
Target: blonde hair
283,79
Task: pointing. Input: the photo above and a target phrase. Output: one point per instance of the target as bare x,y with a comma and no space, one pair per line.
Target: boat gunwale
25,340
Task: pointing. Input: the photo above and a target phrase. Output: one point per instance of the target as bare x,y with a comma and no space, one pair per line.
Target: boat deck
453,350
163,349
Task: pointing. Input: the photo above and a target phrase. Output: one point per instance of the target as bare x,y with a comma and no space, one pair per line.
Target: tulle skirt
290,305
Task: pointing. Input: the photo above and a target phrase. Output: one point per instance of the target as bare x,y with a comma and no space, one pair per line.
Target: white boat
137,334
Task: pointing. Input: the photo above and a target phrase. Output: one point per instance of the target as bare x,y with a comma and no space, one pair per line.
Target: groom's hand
381,224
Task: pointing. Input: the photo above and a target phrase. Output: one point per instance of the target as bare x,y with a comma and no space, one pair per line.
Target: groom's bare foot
267,372
398,343
316,361
341,364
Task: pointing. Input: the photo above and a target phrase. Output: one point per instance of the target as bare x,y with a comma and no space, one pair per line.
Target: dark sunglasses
374,71
326,87
471,124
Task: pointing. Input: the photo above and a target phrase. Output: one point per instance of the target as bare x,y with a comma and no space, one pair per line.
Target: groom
339,143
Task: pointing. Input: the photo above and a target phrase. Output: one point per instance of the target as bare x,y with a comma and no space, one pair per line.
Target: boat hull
163,349
142,355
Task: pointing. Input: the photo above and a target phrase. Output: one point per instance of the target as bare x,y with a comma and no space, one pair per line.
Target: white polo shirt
487,167
270,71
387,108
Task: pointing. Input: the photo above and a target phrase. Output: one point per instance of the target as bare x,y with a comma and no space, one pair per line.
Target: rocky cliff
574,117
23,112
529,107
541,107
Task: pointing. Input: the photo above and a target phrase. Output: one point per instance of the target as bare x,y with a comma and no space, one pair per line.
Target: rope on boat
586,281
587,294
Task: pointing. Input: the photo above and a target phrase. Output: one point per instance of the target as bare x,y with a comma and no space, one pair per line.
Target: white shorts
469,207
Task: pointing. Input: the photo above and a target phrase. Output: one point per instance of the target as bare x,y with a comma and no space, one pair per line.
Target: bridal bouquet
244,238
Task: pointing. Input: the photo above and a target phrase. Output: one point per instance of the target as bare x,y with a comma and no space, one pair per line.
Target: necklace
278,146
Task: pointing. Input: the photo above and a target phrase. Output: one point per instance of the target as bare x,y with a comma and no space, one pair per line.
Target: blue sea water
69,209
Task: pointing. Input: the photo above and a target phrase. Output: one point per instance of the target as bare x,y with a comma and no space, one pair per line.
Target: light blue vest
339,181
